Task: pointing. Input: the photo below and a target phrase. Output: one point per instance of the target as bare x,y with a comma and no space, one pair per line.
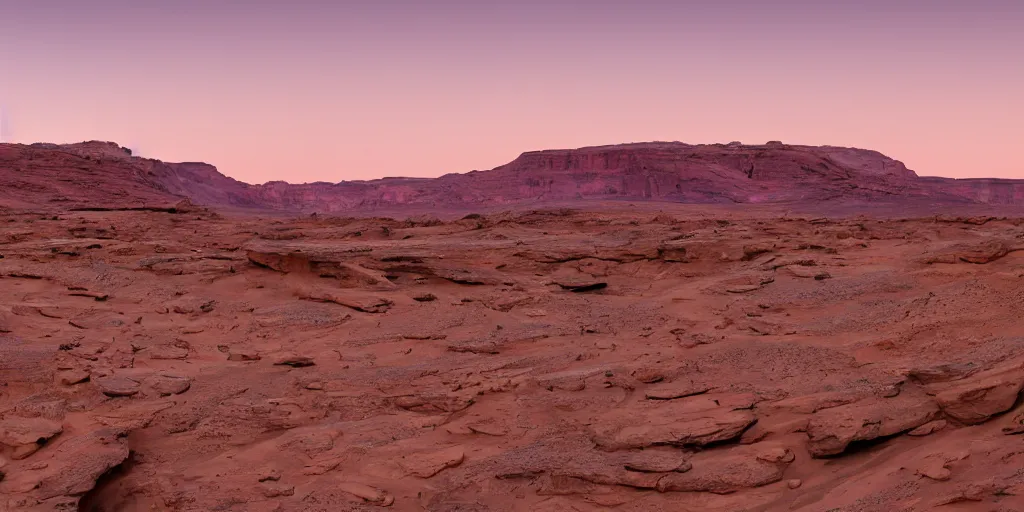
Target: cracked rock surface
690,359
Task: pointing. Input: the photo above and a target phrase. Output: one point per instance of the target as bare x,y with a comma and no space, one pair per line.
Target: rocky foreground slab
688,359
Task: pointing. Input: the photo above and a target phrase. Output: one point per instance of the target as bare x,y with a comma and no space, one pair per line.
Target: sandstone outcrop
104,176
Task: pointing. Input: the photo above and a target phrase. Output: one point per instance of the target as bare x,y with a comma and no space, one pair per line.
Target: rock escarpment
100,174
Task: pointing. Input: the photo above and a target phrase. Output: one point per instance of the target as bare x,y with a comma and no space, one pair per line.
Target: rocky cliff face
102,174
79,175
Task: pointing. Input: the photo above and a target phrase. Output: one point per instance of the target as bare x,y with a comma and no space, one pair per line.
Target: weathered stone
26,435
428,464
675,389
275,490
77,463
293,360
983,395
743,288
116,386
166,385
167,352
72,377
726,471
808,272
359,301
367,493
655,461
978,252
243,354
928,428
830,431
683,422
942,372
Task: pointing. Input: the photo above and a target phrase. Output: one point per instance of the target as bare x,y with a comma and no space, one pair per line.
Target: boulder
983,395
77,463
830,431
980,252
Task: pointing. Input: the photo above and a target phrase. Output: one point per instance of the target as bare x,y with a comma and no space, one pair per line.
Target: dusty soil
543,361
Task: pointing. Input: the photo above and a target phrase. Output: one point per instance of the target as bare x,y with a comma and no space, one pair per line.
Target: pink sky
311,90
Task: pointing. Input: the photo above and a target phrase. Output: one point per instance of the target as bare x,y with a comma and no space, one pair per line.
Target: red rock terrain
102,174
642,357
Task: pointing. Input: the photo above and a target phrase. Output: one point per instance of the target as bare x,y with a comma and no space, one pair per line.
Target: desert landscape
636,328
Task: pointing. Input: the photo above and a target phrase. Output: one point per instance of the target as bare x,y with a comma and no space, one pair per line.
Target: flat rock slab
98,296
293,360
694,421
594,286
789,262
810,404
730,470
362,302
428,464
577,281
945,372
655,461
166,385
743,288
368,494
675,389
167,352
243,354
979,252
808,272
72,377
117,386
569,380
488,429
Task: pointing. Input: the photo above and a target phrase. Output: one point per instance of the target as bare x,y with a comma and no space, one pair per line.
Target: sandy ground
692,359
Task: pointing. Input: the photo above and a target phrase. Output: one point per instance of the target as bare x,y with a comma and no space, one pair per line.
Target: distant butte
105,175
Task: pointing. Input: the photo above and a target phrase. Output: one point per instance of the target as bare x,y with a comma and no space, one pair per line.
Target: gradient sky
306,90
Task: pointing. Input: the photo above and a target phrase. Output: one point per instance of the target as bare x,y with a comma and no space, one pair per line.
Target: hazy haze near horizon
318,91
